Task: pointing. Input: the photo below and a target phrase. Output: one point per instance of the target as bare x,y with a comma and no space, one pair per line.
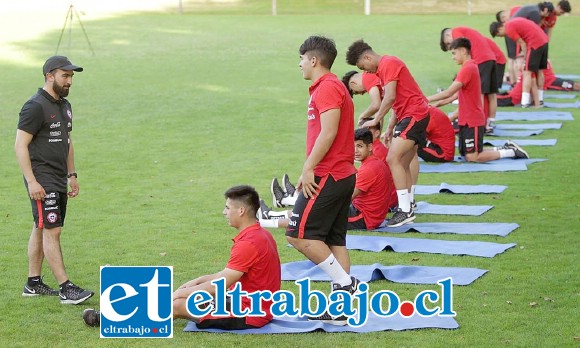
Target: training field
174,109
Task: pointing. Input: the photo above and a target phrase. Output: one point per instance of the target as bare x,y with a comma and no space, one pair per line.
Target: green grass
172,110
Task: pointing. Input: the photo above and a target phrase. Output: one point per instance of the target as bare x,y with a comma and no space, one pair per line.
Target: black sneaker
38,290
277,193
413,206
352,288
263,212
400,218
287,185
72,294
92,317
328,319
526,106
518,151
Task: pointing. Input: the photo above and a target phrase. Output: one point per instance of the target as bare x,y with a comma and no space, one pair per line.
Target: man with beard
44,151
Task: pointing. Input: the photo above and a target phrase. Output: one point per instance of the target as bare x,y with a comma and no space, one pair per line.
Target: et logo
136,302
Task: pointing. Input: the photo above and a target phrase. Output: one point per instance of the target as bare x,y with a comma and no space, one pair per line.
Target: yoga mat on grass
293,325
533,116
472,167
438,209
396,274
530,126
432,246
575,104
549,95
488,228
458,189
514,133
521,142
569,77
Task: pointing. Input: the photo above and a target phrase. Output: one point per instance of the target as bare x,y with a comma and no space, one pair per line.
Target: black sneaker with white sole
72,294
413,205
329,319
92,317
287,185
518,151
38,289
352,288
263,211
400,218
277,193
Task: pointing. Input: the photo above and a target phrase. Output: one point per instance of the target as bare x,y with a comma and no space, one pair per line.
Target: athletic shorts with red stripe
409,128
50,213
470,139
537,59
431,153
325,216
356,220
488,77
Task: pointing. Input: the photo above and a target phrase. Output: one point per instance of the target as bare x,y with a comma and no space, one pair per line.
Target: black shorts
324,217
224,323
488,76
356,220
562,85
504,99
409,128
431,153
53,210
470,139
537,59
510,46
500,71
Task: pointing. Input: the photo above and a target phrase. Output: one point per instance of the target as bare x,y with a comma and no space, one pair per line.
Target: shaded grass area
173,110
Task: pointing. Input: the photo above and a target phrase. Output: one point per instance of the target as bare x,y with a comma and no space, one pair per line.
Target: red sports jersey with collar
409,99
480,50
380,151
470,103
441,132
374,184
548,22
328,93
255,253
549,75
499,56
527,30
370,80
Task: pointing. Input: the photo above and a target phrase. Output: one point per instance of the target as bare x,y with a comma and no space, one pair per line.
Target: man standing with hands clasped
44,151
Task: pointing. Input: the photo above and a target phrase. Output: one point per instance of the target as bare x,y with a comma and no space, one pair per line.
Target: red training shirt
548,22
530,32
480,50
441,132
470,104
328,93
373,182
499,56
370,80
380,151
409,99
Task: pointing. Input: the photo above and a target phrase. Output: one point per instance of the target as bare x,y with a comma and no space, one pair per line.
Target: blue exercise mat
432,246
458,189
439,209
488,228
506,126
549,95
515,165
522,142
575,104
396,274
533,116
289,325
569,77
514,133
506,87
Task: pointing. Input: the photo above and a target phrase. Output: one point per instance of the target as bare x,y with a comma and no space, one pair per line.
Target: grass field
174,109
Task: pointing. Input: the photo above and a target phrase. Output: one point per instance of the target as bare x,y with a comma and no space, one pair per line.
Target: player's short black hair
461,42
442,40
356,50
494,28
246,195
565,6
363,134
346,80
546,5
320,47
498,15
